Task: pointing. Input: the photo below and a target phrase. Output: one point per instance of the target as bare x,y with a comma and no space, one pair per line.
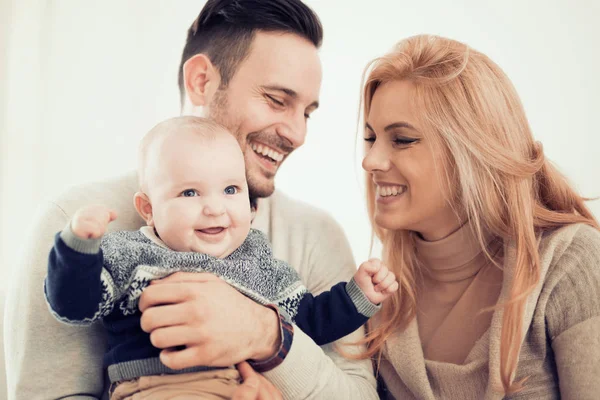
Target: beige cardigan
561,349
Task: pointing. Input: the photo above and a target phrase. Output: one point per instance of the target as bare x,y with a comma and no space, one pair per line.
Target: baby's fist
375,280
90,222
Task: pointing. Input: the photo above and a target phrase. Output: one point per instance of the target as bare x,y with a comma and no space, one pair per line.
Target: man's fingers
173,336
268,391
155,295
180,358
187,277
248,390
162,316
265,389
245,370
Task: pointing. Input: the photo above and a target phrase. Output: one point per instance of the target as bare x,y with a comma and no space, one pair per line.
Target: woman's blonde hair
503,182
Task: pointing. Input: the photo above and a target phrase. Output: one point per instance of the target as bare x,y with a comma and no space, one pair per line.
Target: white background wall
83,81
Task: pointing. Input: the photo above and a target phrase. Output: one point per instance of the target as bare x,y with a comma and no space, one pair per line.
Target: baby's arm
90,222
375,280
75,287
347,306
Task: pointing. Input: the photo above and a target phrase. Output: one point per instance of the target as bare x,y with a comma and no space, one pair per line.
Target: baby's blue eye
189,193
231,190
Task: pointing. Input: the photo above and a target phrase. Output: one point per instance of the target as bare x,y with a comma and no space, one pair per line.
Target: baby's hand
90,222
376,280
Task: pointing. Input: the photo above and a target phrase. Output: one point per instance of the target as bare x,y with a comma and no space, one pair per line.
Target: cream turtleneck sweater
449,352
458,282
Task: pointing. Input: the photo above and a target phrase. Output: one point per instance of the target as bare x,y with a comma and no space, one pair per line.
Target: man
253,66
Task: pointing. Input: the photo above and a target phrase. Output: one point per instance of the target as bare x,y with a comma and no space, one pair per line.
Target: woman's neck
441,228
458,255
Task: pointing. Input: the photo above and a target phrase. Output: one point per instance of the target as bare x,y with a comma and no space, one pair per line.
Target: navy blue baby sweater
90,280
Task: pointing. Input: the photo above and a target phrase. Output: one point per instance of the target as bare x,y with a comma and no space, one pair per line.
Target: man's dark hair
224,31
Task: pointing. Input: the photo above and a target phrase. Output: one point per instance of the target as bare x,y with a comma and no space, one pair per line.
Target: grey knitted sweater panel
132,261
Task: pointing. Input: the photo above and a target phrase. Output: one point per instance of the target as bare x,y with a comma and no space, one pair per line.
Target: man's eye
231,190
189,193
274,100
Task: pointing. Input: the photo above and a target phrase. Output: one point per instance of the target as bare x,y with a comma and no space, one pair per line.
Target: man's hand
90,222
375,280
254,386
217,324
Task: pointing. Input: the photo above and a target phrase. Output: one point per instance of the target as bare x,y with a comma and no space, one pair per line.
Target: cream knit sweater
46,359
561,349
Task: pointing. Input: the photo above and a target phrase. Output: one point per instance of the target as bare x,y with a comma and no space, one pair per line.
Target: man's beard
258,185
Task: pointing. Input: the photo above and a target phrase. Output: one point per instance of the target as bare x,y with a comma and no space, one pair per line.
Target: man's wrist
269,334
277,346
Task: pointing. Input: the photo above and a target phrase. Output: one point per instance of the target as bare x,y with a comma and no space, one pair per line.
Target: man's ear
201,80
142,204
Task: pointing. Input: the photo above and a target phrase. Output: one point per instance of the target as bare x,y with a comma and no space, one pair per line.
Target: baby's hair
206,129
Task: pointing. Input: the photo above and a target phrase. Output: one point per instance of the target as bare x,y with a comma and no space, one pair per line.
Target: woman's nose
376,159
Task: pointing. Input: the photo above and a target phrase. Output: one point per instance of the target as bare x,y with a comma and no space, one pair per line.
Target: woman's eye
189,193
370,139
231,190
405,141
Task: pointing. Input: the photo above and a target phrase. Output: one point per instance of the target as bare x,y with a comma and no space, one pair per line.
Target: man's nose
294,130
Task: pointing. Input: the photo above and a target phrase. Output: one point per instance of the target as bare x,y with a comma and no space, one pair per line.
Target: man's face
267,103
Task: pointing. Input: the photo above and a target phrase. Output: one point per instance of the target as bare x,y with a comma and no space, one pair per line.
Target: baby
194,199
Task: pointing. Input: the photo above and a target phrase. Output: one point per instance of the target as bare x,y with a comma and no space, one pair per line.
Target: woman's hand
254,386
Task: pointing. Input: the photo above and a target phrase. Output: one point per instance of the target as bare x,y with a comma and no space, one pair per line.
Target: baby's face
199,194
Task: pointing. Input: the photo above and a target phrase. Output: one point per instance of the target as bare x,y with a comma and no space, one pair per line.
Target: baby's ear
142,204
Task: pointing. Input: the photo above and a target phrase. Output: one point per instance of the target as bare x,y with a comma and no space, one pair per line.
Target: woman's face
408,172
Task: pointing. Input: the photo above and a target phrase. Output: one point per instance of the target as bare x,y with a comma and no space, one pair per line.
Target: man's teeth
267,151
384,191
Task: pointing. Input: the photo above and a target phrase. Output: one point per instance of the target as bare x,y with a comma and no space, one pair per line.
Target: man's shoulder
296,211
304,223
115,189
300,219
116,193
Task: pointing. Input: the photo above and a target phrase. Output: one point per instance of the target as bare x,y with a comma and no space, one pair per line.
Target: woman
498,257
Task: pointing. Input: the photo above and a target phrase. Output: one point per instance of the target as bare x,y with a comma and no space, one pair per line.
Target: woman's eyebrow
400,124
393,126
